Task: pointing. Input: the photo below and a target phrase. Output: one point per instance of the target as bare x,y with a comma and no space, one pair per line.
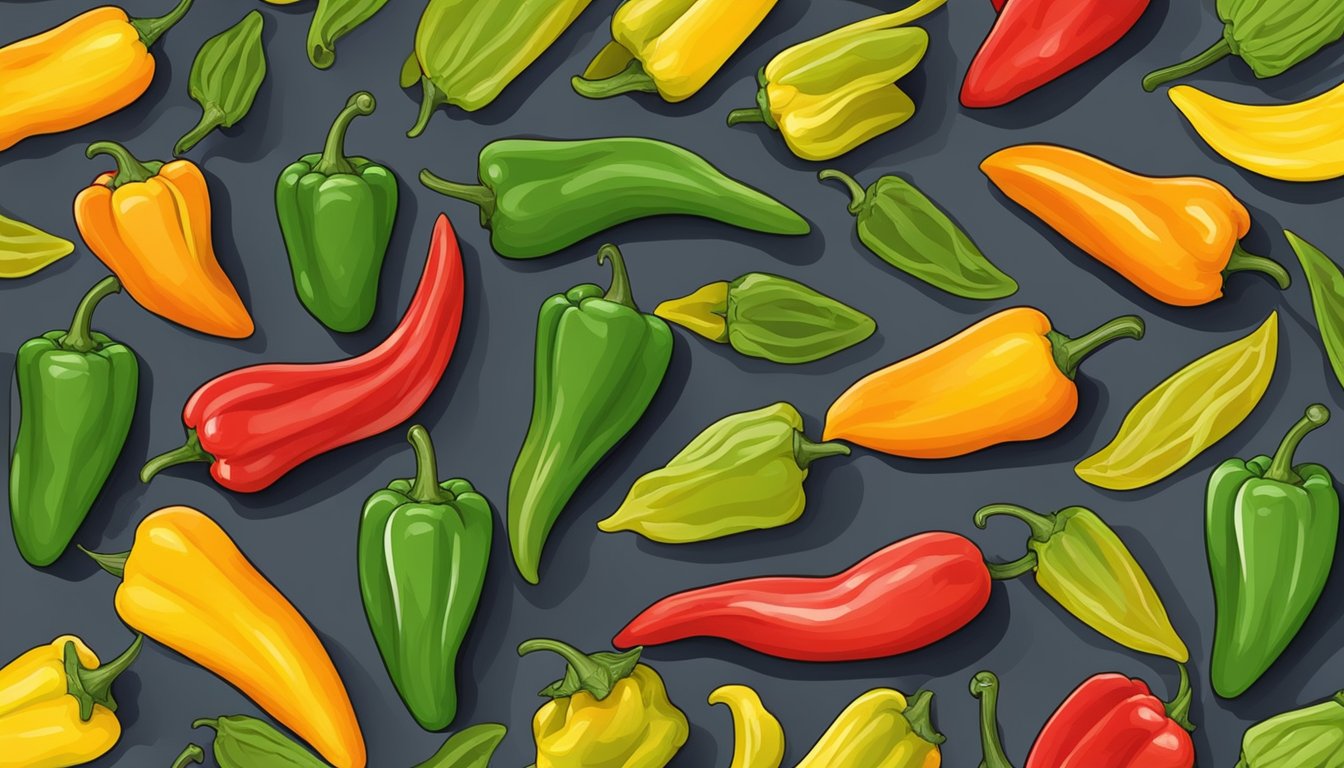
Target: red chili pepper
1035,41
255,424
905,596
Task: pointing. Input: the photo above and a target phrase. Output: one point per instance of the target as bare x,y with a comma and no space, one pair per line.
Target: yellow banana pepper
758,738
880,729
56,705
830,94
669,47
79,72
609,711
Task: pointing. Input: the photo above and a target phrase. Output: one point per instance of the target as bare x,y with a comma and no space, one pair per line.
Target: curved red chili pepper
255,424
905,596
1113,721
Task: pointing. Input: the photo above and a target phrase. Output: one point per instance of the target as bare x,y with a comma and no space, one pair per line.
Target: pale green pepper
1311,737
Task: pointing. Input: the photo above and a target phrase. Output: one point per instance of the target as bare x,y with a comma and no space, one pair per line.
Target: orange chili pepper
1007,378
150,224
1174,237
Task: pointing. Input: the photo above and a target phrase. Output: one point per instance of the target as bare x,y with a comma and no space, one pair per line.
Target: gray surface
302,531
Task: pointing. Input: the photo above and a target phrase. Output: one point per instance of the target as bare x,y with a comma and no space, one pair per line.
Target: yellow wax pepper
758,738
880,729
609,711
56,705
832,93
669,47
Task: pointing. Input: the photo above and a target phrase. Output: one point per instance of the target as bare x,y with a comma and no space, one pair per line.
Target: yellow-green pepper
758,738
880,729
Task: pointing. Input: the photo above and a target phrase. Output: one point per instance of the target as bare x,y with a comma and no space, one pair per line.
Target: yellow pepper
56,705
609,711
880,729
669,47
830,94
758,738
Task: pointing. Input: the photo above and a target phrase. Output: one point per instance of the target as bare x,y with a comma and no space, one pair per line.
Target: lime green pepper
333,20
1310,737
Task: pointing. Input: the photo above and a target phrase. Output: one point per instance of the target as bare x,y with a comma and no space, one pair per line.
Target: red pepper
906,596
1035,41
257,423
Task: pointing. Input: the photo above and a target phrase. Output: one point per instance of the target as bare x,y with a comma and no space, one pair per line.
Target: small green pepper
1326,282
468,748
246,742
333,20
225,78
1310,737
744,473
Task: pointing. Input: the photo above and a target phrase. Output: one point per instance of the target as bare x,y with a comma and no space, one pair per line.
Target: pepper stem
151,29
80,336
129,169
478,194
805,451
1215,52
856,192
1178,709
94,686
333,159
1011,570
619,291
431,98
1338,698
191,754
114,564
1070,352
917,714
426,489
183,454
1242,261
596,673
212,117
739,116
1281,467
1042,526
631,79
985,687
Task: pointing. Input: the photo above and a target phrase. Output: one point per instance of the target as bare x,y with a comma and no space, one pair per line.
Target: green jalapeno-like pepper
1310,737
333,20
1326,281
225,77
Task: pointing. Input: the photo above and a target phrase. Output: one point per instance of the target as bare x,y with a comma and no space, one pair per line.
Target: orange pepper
150,224
1174,237
1007,378
187,585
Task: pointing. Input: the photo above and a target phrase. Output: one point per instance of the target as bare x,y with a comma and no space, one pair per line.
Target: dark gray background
301,532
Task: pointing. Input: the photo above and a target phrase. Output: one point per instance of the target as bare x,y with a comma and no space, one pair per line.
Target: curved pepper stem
805,451
151,29
1214,53
114,564
1042,528
129,168
477,194
333,159
426,489
632,79
1243,261
1070,352
94,686
917,714
431,98
619,291
191,754
186,453
80,336
858,195
212,117
1281,467
1178,709
985,687
596,673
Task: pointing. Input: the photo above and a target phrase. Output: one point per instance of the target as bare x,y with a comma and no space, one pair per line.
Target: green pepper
1270,528
246,742
25,249
423,551
744,473
910,232
336,214
225,77
468,748
769,316
599,361
333,20
539,196
77,392
1327,299
1310,737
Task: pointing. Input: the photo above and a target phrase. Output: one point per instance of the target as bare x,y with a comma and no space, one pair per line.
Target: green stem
631,79
596,673
858,196
619,291
426,489
129,169
431,98
114,564
151,29
985,687
212,117
739,116
1215,52
333,159
1178,709
94,686
1338,698
1242,261
191,754
1042,526
1011,570
183,454
80,336
917,714
1281,467
805,451
477,194
1070,352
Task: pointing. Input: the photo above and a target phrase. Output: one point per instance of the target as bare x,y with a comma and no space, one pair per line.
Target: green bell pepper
423,551
599,361
1270,528
336,214
1310,737
77,391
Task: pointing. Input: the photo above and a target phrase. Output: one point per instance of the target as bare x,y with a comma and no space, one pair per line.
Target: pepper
246,742
880,729
225,77
333,20
187,585
336,214
910,232
1271,529
81,71
609,711
423,550
56,705
150,224
758,738
1007,378
77,392
599,362
1271,37
255,424
25,249
1081,563
539,196
1173,237
768,316
468,748
669,47
1037,41
905,596
1183,416
745,472
835,92
1311,736
1327,299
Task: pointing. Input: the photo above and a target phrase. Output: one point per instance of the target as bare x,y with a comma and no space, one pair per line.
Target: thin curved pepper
225,77
1326,281
758,738
25,249
1311,736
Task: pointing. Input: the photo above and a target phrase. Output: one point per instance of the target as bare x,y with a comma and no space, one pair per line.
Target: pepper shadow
486,636
700,750
127,692
1172,594
226,251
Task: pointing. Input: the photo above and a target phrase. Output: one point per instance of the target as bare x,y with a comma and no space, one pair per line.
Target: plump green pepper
744,473
333,20
225,77
539,196
1270,528
423,551
336,214
599,361
769,316
77,391
1311,737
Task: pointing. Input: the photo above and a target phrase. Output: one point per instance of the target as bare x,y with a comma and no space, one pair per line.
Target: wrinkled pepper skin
1176,238
225,77
1310,737
423,551
246,742
1007,378
1270,528
77,393
599,362
83,70
758,738
880,729
1326,281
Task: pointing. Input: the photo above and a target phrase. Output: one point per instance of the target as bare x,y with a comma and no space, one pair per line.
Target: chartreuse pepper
333,20
1310,737
608,711
25,249
763,315
743,473
225,77
1327,299
1088,570
758,738
1271,529
246,742
880,729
